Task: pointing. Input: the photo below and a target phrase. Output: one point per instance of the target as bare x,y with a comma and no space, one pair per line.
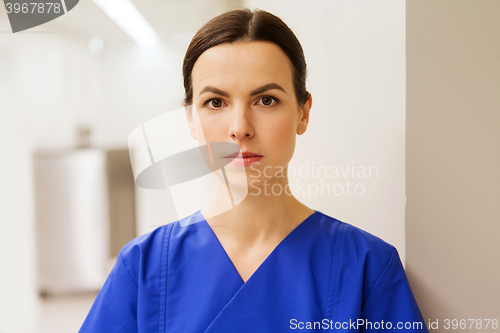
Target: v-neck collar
280,244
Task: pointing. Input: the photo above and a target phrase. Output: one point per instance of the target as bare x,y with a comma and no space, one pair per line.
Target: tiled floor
64,314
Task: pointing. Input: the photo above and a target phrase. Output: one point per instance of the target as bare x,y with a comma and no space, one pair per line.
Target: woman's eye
214,103
268,100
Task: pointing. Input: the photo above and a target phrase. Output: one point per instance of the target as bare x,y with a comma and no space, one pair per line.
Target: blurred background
408,87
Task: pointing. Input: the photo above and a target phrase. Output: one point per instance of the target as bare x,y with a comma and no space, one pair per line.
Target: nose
241,126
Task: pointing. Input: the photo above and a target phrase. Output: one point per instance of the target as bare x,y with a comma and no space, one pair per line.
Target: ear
304,116
188,110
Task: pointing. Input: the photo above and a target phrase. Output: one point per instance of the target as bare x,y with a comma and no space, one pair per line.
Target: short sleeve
390,304
115,307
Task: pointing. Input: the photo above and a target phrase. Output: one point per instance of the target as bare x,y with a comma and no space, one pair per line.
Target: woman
270,263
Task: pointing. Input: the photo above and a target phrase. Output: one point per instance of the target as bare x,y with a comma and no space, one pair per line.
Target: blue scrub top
325,276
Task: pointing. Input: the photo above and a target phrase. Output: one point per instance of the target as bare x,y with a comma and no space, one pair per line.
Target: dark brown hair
246,25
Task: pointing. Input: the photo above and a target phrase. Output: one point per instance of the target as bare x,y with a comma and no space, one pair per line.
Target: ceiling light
126,15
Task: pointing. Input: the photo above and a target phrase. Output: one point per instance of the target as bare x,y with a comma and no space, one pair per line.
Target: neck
262,216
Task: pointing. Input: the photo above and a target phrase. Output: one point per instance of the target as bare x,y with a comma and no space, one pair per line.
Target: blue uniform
325,276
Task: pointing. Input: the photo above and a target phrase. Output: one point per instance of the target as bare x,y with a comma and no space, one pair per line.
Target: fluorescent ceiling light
126,15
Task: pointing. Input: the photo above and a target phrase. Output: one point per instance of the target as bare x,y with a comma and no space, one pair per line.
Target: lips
248,158
244,154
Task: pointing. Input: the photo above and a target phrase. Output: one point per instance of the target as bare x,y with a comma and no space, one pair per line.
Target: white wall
35,110
453,165
355,51
18,302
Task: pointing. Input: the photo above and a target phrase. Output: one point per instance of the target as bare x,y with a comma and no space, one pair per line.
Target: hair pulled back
246,25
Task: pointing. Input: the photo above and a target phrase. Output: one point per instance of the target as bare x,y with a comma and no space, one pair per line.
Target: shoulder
366,244
138,253
147,242
359,255
145,256
353,239
372,252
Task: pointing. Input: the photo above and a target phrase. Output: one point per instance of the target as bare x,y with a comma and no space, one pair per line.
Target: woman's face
243,93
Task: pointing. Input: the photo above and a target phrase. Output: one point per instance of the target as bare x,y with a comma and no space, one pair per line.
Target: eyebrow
254,92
